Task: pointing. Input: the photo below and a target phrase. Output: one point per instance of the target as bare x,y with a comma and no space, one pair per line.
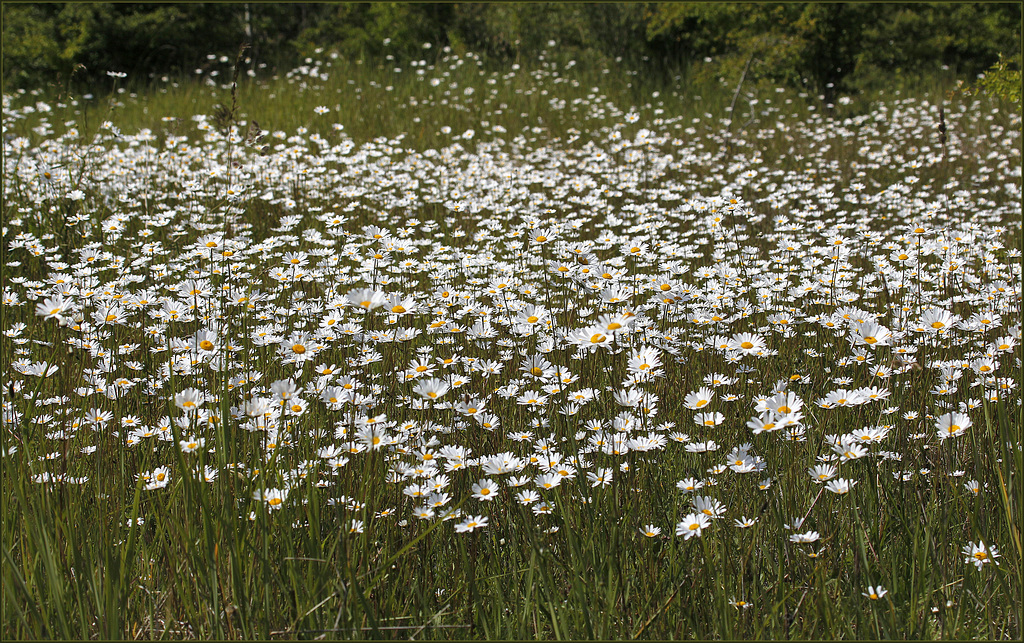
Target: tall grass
166,225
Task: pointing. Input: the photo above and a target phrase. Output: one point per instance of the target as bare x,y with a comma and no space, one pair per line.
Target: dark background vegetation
828,48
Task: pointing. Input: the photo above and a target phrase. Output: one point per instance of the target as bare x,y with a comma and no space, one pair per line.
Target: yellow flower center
206,345
299,348
597,338
938,324
746,345
533,319
398,309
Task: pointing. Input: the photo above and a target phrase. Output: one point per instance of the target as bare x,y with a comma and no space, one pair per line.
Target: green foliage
1001,80
355,29
788,43
918,40
30,47
590,34
841,47
43,40
825,47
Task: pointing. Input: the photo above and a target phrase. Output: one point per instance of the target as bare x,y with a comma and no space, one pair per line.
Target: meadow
444,352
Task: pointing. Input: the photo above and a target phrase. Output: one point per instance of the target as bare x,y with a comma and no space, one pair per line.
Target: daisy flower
979,555
650,531
698,399
692,525
951,425
875,592
470,524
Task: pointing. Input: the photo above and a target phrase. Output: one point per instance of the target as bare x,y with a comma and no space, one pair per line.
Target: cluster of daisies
515,321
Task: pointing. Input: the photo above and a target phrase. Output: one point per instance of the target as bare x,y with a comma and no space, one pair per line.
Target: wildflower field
440,352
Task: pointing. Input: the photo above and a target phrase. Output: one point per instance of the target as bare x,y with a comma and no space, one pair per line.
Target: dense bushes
824,47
